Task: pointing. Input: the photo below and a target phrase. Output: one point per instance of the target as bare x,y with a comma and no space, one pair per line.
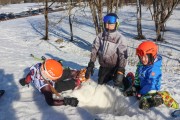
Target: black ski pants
65,82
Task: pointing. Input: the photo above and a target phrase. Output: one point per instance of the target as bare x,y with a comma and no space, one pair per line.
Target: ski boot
157,100
150,100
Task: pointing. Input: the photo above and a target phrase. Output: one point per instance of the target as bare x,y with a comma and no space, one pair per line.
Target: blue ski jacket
148,77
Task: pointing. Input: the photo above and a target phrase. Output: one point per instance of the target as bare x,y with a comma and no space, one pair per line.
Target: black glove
119,80
22,81
90,70
71,101
131,91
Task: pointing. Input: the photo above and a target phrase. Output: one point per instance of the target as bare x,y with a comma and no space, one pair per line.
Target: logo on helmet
51,73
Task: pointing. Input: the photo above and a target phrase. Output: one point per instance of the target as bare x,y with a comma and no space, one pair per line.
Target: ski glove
119,80
90,70
22,81
71,101
132,91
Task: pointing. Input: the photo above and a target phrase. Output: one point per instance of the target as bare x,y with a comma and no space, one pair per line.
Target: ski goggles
110,19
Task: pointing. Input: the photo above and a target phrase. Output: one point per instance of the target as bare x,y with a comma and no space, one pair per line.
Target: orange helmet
51,70
147,47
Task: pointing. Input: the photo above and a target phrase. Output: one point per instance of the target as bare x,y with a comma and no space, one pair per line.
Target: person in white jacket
111,49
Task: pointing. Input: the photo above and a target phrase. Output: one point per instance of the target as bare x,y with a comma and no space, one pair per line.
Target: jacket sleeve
154,81
122,52
95,48
32,72
137,81
46,91
28,78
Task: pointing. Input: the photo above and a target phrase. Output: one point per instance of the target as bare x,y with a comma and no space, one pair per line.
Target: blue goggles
110,19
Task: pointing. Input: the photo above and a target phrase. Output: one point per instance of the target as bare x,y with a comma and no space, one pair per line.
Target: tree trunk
139,16
70,21
108,6
94,15
100,9
46,19
71,29
157,19
117,6
112,5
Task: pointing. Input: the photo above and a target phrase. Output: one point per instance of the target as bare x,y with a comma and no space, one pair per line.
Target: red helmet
147,47
51,70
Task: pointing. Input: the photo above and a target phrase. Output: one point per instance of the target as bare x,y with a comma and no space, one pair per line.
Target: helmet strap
110,31
150,59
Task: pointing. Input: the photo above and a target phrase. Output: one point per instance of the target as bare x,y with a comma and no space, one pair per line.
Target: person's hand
71,101
138,96
89,70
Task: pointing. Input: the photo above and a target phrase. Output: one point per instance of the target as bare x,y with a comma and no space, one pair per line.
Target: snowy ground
21,37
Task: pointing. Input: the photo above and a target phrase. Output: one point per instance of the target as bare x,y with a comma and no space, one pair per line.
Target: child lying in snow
50,78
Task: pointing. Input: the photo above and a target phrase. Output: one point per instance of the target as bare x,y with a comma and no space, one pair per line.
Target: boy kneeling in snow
147,77
50,78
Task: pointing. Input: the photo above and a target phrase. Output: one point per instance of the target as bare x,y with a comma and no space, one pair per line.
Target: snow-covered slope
21,37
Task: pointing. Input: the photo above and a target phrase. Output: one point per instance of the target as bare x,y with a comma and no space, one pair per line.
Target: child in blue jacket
148,76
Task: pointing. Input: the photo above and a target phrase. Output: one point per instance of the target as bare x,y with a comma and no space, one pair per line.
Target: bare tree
46,20
112,5
139,17
162,11
70,21
117,6
96,11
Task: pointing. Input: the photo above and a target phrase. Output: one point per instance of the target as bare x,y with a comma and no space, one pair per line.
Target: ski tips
176,113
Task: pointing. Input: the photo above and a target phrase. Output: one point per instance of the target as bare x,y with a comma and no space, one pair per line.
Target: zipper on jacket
106,49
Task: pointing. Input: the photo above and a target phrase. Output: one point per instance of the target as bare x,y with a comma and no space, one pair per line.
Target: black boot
144,102
151,100
157,100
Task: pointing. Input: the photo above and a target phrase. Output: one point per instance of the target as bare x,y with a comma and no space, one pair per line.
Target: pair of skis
170,102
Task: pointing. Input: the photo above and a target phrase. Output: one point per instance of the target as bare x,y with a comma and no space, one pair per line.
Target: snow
21,37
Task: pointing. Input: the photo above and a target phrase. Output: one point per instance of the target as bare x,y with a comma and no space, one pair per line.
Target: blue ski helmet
111,18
